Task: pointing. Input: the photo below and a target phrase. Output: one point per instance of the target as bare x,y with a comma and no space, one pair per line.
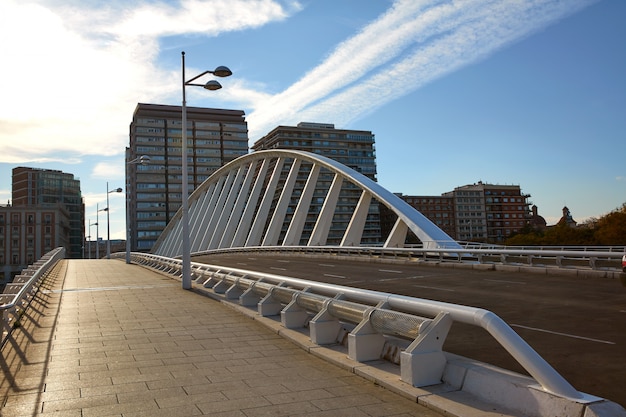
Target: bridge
305,206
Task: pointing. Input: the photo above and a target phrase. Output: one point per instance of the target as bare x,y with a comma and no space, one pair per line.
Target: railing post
324,327
365,343
423,362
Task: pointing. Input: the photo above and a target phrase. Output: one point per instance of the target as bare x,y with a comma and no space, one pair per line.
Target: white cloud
67,56
407,47
67,69
108,171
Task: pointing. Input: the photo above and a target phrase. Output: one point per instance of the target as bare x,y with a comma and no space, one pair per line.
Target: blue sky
531,93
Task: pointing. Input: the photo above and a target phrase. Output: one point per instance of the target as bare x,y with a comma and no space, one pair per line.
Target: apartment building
353,148
489,212
47,188
29,232
154,190
438,209
477,212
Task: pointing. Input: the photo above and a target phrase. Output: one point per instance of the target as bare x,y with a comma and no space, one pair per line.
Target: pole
186,259
97,241
89,237
127,206
108,226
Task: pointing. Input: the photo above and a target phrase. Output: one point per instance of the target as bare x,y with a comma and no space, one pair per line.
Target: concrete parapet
511,391
563,272
507,268
533,270
483,267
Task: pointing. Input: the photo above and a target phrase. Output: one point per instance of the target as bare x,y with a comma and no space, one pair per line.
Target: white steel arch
293,198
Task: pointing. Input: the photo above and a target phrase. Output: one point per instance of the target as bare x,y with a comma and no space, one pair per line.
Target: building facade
477,212
353,148
27,233
439,209
34,187
154,190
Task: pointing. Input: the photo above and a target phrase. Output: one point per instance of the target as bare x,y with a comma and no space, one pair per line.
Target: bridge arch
293,198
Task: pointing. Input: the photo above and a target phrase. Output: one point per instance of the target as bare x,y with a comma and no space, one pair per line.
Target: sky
529,93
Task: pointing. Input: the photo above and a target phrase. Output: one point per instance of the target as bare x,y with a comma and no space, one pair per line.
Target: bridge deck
106,338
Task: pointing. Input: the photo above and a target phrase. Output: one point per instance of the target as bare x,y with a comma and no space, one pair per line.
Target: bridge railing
372,322
18,294
597,259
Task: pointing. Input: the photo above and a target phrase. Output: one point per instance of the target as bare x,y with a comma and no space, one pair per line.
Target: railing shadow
14,355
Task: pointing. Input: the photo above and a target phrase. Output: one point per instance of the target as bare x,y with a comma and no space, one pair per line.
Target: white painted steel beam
278,217
256,232
398,235
325,219
353,234
201,219
237,211
210,210
244,226
231,190
294,233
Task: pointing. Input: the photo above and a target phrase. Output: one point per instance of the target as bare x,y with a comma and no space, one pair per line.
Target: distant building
439,209
477,212
567,219
154,191
47,188
28,232
537,222
488,212
353,148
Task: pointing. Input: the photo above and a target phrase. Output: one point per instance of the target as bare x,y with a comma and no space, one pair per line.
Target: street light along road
117,190
141,160
212,85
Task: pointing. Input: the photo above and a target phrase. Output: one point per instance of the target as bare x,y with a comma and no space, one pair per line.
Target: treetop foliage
608,230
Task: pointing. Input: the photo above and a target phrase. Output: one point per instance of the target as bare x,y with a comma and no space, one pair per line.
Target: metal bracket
423,361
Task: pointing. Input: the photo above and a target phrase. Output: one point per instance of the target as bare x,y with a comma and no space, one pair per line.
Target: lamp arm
188,82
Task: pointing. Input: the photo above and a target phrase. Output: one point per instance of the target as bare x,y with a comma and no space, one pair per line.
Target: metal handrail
549,379
30,277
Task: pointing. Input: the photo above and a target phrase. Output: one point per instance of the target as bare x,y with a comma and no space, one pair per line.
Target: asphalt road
577,325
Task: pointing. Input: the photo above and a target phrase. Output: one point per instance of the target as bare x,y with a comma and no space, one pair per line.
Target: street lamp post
117,190
142,160
220,71
97,233
89,237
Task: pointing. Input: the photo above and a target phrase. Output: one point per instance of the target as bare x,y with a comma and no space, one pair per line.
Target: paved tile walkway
108,339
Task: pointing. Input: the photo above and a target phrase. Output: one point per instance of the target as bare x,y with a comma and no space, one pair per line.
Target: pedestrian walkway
104,338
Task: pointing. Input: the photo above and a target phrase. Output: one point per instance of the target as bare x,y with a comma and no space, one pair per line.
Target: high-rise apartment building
47,188
154,190
353,148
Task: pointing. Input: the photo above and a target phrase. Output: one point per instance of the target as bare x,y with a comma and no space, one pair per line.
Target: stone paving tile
119,340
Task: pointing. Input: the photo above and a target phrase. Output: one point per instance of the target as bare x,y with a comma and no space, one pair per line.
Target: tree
609,230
